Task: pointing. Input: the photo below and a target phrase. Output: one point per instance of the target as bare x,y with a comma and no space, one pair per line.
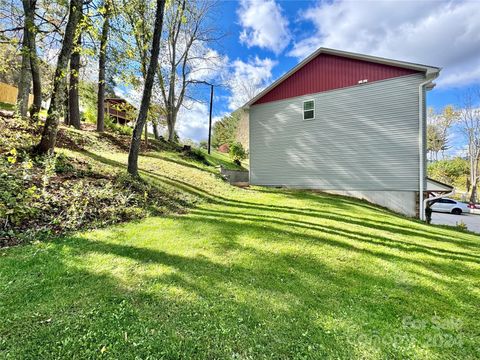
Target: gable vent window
308,110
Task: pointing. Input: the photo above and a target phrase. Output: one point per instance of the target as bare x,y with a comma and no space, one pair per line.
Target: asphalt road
472,221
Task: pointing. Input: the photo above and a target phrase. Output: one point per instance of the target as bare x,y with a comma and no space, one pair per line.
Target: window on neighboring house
308,110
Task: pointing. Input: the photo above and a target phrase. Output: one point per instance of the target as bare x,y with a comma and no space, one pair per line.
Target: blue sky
265,38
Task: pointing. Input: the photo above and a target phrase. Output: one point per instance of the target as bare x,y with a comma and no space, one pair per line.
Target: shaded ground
248,274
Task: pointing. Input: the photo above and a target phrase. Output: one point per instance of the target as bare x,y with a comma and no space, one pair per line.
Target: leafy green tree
435,141
224,131
49,134
438,128
147,90
237,152
452,171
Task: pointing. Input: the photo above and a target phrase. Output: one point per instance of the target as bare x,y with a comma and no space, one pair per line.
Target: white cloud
264,25
132,95
247,79
207,64
192,121
439,33
244,80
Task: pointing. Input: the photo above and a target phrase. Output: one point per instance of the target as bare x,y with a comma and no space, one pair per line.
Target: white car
447,205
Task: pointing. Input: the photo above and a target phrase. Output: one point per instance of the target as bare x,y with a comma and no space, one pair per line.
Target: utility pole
210,119
211,108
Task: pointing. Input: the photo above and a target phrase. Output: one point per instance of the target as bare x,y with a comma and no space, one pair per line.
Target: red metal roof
327,72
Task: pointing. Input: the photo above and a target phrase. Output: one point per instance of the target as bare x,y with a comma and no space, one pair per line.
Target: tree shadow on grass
96,310
181,162
243,299
329,202
374,239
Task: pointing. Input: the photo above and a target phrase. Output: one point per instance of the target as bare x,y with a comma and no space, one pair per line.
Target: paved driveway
472,221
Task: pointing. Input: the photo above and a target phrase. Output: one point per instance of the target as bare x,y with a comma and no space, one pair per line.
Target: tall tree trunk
29,7
170,104
63,100
147,91
171,120
25,78
73,101
49,135
473,195
474,179
146,135
37,82
156,130
101,69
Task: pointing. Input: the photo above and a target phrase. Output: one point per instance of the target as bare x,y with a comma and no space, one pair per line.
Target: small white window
308,110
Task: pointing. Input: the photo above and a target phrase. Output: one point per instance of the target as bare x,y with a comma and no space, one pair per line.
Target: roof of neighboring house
438,186
118,101
430,71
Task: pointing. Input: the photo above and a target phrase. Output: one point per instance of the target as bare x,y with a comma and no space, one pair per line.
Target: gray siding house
345,123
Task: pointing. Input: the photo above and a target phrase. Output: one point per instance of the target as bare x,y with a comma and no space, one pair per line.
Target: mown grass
217,158
248,274
6,106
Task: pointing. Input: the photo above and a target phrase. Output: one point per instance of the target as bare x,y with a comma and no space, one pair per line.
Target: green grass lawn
6,106
217,158
248,274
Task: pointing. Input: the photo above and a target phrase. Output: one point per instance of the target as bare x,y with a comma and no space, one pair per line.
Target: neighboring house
121,111
9,93
345,123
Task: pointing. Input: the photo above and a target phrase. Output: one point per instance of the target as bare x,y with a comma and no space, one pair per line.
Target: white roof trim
429,70
437,186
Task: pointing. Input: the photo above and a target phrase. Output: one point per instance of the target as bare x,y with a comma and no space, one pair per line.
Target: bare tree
469,120
147,90
186,55
438,127
49,135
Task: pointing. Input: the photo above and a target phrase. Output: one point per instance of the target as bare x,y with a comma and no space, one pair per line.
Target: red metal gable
327,72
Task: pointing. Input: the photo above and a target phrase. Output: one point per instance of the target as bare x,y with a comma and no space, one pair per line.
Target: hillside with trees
121,240
54,176
461,171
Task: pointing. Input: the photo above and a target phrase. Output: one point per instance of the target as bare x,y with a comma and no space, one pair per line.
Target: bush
63,164
454,171
41,197
237,153
89,115
461,226
17,195
17,201
197,155
117,128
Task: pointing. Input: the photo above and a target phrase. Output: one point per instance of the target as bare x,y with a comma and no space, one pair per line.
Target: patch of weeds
196,155
52,195
18,133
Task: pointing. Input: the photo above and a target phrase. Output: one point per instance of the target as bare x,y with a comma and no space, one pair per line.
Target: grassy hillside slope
246,274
